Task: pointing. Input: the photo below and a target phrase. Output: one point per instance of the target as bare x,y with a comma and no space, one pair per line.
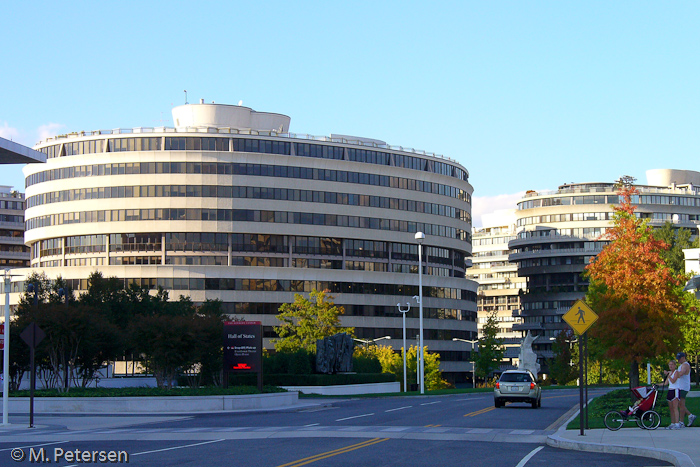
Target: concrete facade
229,205
500,286
559,232
13,252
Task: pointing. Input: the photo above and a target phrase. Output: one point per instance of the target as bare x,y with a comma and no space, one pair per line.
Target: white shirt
671,384
684,381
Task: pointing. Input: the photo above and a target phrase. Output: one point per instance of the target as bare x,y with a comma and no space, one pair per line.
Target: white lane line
177,447
35,445
356,416
524,460
400,408
431,403
312,424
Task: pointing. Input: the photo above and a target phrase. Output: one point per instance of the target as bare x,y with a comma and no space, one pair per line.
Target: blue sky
525,95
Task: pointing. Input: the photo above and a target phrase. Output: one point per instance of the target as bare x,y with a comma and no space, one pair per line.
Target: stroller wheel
650,420
613,420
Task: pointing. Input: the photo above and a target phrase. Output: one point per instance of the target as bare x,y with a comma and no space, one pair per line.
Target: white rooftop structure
228,116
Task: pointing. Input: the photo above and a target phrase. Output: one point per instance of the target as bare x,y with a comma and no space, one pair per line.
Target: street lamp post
473,343
367,342
6,354
403,314
420,237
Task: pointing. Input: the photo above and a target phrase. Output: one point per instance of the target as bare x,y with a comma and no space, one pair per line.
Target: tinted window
515,378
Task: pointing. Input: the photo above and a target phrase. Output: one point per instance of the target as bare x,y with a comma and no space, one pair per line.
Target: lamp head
420,236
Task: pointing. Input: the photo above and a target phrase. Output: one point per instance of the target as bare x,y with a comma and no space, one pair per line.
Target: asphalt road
455,430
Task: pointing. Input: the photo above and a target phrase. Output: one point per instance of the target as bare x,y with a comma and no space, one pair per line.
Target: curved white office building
559,232
229,205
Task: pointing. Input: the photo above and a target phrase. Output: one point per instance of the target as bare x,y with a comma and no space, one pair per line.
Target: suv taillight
532,385
498,385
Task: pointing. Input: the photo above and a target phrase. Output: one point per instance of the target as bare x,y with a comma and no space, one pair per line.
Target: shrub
366,364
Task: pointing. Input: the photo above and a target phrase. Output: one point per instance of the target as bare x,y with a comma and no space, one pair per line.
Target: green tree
563,366
174,336
490,353
78,338
676,241
633,291
305,321
392,362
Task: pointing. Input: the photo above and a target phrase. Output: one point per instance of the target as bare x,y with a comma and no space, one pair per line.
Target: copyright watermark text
45,455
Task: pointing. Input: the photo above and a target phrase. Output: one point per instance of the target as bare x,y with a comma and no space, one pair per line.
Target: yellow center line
479,412
326,455
432,426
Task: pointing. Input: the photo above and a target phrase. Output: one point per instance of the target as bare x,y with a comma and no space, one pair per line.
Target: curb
679,459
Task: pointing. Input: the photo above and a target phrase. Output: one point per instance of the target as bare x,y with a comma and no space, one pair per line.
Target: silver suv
517,386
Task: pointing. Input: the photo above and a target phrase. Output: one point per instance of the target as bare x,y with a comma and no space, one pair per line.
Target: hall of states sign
243,348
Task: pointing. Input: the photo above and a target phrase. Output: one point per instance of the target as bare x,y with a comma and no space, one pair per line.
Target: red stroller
642,412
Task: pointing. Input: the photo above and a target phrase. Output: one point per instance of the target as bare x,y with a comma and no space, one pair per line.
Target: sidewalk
680,447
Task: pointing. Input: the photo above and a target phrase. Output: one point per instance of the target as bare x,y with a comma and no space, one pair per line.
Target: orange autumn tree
633,291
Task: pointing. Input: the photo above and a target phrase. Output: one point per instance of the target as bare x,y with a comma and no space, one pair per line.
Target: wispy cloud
8,132
30,138
487,204
49,130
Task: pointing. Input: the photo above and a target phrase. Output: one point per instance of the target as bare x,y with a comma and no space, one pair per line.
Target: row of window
263,170
555,261
240,242
256,146
594,233
256,308
665,200
562,305
11,218
569,200
480,241
14,205
247,215
571,217
12,233
280,285
243,192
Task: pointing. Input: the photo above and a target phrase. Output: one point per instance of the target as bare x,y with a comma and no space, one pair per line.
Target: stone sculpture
527,359
334,354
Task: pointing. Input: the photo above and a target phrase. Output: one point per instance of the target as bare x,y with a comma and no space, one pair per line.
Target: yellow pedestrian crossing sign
580,317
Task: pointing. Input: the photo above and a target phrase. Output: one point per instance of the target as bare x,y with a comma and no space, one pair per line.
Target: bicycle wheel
613,420
650,420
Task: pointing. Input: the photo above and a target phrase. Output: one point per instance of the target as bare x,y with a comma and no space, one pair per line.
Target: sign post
581,317
243,349
32,335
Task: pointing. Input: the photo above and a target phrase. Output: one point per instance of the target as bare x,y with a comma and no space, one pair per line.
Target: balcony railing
236,131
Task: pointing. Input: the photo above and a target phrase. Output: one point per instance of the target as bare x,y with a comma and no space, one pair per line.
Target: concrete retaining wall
165,404
348,389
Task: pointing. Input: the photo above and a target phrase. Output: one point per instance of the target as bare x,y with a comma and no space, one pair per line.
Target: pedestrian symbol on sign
580,317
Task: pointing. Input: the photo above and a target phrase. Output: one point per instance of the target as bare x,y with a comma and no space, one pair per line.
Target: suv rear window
515,378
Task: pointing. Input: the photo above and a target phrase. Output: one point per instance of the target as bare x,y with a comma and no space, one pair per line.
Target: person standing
683,380
673,395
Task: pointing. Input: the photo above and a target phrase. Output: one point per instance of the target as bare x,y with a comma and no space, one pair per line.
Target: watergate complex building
559,232
229,205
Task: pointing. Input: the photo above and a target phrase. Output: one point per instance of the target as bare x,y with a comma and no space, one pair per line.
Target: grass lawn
620,400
